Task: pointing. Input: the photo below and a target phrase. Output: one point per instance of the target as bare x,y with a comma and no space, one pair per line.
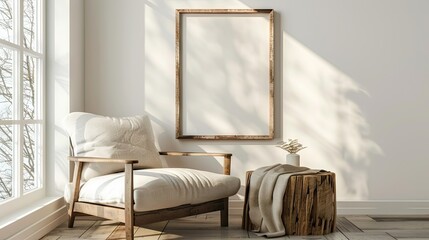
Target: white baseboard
37,221
363,207
44,226
382,207
236,207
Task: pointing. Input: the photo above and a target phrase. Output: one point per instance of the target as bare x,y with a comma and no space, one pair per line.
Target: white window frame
21,199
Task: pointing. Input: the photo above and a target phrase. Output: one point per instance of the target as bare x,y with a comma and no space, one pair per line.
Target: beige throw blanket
267,189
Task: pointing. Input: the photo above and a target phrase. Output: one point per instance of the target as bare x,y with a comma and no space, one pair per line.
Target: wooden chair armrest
226,157
102,160
175,153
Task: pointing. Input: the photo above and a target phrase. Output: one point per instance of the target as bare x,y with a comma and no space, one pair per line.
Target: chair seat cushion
159,188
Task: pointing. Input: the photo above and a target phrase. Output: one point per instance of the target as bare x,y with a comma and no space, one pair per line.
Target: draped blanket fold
267,190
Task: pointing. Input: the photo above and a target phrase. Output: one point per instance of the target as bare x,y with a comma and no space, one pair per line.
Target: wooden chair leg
129,202
129,232
71,219
75,192
224,213
245,222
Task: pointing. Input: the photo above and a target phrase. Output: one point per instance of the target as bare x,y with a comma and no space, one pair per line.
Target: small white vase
292,159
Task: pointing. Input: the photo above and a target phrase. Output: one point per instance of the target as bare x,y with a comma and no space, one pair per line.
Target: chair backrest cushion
109,137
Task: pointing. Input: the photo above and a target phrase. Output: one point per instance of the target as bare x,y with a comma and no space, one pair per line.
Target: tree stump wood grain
309,204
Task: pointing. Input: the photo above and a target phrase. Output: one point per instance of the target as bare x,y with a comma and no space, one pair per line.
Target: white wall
65,84
351,84
64,93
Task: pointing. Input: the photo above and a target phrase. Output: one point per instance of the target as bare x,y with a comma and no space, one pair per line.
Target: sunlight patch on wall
318,110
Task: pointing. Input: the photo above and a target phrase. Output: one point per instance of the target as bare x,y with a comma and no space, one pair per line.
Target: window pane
31,24
6,20
6,83
31,156
6,157
31,88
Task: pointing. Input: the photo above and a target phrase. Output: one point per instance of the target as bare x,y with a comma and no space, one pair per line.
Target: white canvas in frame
224,74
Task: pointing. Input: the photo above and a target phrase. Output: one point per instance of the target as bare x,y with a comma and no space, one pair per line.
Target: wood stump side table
309,204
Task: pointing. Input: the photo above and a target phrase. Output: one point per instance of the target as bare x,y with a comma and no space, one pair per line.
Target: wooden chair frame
127,214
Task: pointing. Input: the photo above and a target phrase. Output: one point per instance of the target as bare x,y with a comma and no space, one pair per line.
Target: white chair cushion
159,188
108,137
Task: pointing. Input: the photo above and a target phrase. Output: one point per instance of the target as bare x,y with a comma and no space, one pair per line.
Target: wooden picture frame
225,74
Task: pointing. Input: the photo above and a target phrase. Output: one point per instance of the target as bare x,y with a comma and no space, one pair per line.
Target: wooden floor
208,227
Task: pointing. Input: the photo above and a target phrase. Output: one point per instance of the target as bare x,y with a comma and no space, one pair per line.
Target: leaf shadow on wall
319,107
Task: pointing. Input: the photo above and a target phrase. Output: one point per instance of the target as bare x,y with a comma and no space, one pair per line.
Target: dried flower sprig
292,146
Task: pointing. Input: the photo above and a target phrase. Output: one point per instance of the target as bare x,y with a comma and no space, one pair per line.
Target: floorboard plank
368,236
80,227
50,238
119,232
100,230
151,231
336,236
208,227
405,233
425,238
344,225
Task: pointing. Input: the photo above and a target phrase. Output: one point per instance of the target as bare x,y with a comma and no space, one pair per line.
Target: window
21,99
